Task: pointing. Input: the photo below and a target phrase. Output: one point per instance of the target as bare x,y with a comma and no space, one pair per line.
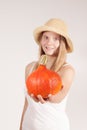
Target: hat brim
41,29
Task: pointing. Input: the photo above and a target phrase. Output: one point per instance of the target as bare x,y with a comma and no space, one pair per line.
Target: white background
18,19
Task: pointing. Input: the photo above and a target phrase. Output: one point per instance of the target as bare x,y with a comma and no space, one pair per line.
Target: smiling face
50,42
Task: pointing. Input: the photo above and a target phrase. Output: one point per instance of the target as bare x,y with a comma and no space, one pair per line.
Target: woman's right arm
25,102
27,71
24,109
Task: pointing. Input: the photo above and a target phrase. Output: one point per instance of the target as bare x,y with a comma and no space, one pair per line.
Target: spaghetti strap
31,70
66,64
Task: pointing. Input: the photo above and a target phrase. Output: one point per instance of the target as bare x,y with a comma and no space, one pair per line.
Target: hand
39,98
34,98
50,96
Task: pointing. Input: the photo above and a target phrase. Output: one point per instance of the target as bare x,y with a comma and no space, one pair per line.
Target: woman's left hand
41,99
44,100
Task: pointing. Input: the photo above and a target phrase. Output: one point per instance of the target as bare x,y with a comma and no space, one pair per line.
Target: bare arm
67,75
27,69
24,109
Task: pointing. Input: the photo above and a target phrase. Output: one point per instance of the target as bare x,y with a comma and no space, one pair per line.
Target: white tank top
47,116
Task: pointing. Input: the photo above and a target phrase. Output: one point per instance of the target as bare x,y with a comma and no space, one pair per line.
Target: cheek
42,43
57,44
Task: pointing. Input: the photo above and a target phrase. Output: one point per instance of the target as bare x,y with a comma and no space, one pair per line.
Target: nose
50,41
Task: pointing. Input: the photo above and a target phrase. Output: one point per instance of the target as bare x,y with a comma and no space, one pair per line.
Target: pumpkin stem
43,60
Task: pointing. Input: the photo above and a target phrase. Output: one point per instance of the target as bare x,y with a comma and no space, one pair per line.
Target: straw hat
54,25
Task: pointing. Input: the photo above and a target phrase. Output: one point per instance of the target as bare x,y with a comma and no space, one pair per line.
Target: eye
56,38
45,37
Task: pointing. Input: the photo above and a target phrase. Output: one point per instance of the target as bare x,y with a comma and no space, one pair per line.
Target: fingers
50,96
34,98
41,99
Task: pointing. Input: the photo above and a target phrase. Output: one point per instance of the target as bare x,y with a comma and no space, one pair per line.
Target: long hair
61,55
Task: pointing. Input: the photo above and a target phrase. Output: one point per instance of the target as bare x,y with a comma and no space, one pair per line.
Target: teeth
48,47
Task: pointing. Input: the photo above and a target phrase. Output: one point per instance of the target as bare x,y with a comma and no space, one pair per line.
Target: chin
51,53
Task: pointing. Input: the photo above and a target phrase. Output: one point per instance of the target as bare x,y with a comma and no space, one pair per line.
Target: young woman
49,114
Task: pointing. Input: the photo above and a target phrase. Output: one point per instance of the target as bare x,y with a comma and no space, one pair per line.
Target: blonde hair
61,55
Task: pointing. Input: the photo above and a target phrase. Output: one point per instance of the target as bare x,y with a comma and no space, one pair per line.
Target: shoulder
28,68
67,68
67,74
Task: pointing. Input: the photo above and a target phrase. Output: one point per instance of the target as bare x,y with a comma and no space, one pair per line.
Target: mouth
49,47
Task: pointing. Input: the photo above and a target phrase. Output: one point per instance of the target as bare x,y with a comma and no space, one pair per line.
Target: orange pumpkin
43,81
